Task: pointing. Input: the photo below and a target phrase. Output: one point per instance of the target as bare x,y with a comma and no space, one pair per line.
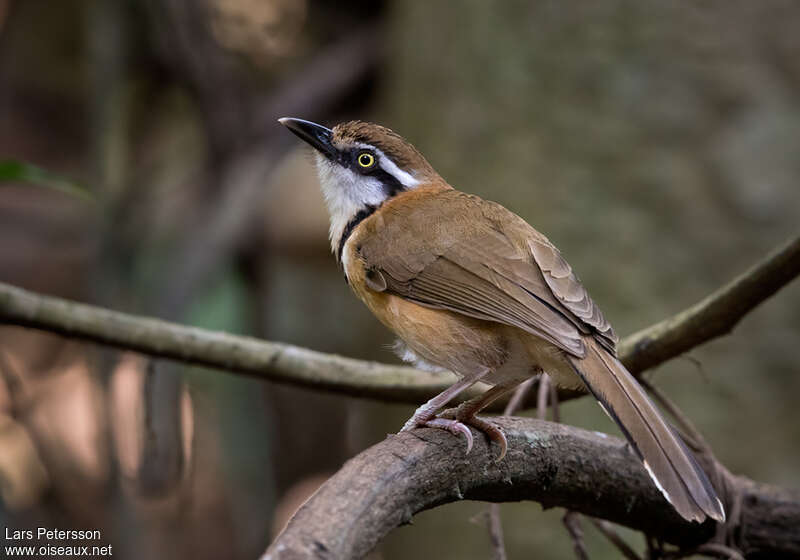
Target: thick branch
283,363
556,465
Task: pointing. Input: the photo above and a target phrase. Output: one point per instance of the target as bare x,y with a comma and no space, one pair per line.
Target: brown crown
401,152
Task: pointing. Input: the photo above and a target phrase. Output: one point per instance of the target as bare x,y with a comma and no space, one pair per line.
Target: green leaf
14,170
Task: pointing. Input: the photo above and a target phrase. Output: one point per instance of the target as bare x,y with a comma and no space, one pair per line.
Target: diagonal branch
553,464
282,363
715,315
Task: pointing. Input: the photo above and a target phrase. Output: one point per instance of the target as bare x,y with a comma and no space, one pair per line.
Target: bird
470,287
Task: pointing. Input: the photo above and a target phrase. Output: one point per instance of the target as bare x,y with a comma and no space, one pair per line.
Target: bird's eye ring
365,160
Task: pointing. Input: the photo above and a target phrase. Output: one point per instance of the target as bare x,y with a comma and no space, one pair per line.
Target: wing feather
569,290
469,263
446,284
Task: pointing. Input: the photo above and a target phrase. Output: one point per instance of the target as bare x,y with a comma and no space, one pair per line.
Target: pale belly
440,339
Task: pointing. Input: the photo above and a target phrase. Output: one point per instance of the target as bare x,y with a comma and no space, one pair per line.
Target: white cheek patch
346,193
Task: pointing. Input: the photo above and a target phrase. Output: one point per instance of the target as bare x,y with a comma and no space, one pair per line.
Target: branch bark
283,363
272,361
553,464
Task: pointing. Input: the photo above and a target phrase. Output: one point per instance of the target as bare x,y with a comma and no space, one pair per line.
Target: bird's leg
426,414
465,414
428,410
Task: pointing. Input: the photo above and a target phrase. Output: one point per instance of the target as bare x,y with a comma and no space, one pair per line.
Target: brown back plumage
485,262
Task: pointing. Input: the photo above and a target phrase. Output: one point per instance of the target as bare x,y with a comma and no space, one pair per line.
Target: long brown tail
670,464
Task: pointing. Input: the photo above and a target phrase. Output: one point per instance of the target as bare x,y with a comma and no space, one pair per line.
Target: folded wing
478,268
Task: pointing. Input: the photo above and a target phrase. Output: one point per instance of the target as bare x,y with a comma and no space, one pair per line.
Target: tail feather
667,460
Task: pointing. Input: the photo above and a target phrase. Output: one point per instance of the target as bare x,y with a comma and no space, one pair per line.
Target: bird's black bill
317,135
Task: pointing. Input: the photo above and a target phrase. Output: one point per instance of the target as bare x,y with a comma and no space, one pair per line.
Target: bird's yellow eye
365,160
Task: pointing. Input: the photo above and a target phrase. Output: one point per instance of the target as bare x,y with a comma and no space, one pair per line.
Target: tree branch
387,484
715,315
273,361
284,363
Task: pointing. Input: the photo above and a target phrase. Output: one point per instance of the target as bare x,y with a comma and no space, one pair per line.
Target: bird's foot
423,420
453,426
492,431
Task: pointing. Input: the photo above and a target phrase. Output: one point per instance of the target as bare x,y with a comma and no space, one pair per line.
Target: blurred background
657,144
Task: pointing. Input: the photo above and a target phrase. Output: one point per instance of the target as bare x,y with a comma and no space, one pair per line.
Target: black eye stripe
391,185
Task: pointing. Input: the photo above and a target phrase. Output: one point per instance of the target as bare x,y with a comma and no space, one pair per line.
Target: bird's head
360,166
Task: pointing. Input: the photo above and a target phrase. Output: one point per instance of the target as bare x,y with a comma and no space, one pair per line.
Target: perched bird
470,287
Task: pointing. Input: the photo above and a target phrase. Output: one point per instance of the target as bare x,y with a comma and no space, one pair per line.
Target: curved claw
492,432
468,418
501,440
454,427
